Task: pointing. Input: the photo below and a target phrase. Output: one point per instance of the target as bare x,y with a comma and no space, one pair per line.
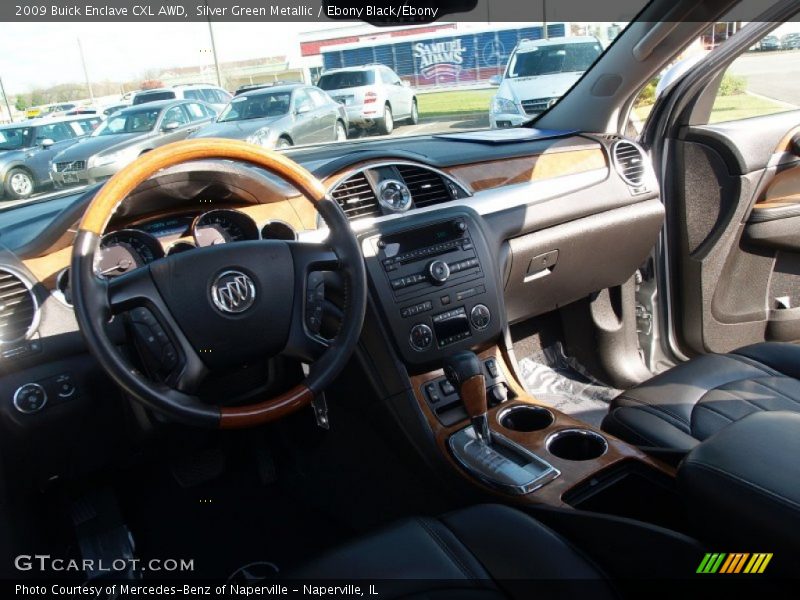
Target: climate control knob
30,398
438,271
480,316
421,337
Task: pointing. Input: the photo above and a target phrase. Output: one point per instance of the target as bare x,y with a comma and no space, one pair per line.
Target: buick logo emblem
233,292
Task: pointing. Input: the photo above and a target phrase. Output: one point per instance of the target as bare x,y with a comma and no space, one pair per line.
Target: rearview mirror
46,143
171,126
303,108
495,80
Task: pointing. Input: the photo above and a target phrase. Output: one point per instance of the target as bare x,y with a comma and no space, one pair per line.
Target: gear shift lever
465,372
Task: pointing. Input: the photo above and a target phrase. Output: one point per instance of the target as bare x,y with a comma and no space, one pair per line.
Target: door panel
734,236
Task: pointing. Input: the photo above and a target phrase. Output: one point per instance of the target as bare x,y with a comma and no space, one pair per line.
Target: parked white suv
538,73
373,96
210,94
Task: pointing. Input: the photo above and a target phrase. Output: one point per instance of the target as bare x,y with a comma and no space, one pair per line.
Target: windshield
554,58
153,97
139,121
345,79
312,82
12,139
259,106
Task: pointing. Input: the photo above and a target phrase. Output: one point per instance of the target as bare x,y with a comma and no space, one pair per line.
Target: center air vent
629,160
356,197
18,308
427,187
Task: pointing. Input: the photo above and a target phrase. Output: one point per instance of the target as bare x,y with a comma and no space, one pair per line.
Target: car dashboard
461,238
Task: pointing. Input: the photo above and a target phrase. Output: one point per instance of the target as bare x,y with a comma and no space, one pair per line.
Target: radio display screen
424,237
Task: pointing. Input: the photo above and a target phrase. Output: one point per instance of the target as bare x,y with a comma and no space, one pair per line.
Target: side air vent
18,309
427,187
629,160
356,197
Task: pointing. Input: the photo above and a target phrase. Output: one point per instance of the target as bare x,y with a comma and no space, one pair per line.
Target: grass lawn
731,108
457,102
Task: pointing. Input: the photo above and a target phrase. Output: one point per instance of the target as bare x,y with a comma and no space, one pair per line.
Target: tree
20,103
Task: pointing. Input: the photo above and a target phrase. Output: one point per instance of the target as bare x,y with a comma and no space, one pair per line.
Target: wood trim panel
493,174
573,473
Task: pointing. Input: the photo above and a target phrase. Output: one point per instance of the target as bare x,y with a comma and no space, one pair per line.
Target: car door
734,220
304,124
199,115
175,114
38,157
326,113
399,95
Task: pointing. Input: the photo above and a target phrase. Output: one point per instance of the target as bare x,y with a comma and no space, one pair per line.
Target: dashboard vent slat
356,197
629,161
18,308
426,187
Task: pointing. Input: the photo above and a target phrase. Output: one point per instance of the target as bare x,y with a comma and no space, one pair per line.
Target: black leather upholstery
482,552
743,483
687,404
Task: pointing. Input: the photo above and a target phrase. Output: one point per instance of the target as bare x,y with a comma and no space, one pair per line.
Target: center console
437,284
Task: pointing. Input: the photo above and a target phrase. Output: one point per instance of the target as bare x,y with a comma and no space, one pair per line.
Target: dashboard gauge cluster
222,227
127,249
124,250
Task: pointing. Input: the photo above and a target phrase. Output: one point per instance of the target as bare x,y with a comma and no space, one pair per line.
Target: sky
43,54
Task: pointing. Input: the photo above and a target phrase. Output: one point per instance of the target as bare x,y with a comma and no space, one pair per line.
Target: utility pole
5,98
213,47
85,72
544,20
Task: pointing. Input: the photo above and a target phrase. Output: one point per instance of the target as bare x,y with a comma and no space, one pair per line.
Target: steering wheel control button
480,316
315,301
233,292
152,338
30,398
438,271
421,337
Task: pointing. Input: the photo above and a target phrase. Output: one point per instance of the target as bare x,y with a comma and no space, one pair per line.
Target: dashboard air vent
629,161
356,197
17,308
427,187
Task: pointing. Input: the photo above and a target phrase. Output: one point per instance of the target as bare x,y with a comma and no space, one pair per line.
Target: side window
761,81
223,97
176,114
192,95
196,111
86,126
320,98
301,99
388,77
56,132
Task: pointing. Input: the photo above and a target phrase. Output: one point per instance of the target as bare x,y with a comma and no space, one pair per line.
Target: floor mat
560,381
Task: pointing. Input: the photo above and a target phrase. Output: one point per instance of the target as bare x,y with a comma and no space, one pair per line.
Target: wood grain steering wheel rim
94,307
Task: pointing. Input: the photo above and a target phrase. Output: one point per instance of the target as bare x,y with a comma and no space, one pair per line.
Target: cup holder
577,444
526,418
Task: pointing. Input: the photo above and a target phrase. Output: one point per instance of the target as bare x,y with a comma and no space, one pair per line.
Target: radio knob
480,316
459,226
421,337
438,271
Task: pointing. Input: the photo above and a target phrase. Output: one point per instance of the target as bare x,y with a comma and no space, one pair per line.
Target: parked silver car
280,117
210,94
373,95
126,135
27,148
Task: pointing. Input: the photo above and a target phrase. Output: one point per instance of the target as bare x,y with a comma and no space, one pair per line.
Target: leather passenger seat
676,410
478,553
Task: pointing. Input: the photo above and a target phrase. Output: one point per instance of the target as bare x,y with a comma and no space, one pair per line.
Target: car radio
437,284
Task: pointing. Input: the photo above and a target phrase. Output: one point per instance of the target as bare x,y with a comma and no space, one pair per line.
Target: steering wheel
217,307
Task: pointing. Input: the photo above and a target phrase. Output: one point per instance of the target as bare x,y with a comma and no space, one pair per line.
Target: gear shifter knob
465,372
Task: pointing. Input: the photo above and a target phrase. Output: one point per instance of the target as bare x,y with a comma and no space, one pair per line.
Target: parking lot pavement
766,74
